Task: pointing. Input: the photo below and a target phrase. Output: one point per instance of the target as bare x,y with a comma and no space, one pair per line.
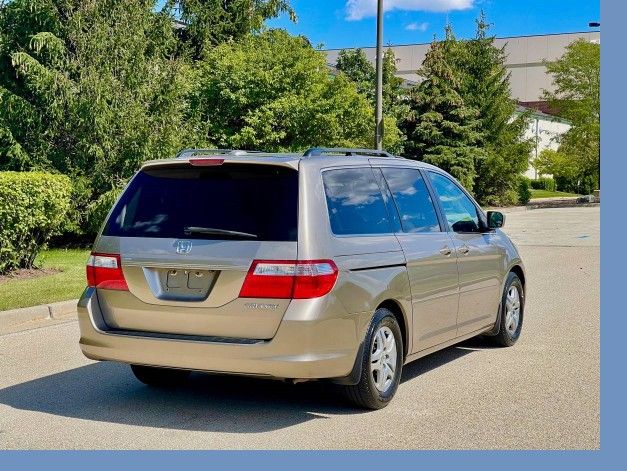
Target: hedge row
543,183
33,207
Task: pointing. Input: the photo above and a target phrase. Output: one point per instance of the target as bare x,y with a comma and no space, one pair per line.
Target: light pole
378,133
596,24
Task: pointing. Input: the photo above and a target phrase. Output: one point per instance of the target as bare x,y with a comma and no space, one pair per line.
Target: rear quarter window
354,202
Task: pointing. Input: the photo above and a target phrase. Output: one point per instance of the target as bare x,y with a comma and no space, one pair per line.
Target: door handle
464,249
446,251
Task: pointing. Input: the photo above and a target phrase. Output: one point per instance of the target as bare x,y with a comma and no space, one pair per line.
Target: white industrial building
544,131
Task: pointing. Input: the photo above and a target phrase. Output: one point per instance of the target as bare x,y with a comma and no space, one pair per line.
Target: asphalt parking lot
542,393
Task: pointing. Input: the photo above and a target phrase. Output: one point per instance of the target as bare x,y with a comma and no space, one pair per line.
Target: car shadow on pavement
108,392
442,357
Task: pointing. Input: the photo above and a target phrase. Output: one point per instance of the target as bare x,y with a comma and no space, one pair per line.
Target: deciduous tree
274,91
576,96
89,87
356,66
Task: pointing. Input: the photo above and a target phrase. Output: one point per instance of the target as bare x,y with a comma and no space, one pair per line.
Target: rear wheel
382,363
162,377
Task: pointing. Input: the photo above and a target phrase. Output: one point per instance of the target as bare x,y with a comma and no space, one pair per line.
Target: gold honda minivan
338,264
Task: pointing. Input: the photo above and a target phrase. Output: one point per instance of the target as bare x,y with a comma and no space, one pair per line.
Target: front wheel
382,363
161,377
512,310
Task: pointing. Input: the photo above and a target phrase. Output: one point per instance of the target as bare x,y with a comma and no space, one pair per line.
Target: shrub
581,186
508,198
543,183
524,191
33,207
74,231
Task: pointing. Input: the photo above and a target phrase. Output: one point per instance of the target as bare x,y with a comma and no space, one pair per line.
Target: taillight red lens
314,279
105,271
205,162
288,279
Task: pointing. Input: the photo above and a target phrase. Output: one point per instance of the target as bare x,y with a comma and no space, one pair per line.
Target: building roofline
427,43
541,114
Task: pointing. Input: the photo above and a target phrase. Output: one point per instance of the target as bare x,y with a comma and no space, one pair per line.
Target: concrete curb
60,310
507,209
544,204
539,204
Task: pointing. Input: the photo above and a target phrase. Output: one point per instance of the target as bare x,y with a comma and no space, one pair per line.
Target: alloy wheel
512,310
383,359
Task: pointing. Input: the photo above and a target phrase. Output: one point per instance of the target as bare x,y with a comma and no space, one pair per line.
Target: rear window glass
215,202
355,202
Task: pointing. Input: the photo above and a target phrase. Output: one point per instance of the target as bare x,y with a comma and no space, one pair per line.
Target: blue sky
351,23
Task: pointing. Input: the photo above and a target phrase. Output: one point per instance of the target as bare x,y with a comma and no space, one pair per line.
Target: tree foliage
89,87
394,94
274,91
93,88
486,87
213,22
464,120
356,66
576,96
441,127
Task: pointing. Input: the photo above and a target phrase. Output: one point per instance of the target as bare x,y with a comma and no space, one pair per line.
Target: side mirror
496,219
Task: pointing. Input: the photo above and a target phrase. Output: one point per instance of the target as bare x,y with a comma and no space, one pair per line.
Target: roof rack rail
187,153
317,151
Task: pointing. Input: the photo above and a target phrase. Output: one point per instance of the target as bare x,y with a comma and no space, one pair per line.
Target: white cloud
359,9
417,27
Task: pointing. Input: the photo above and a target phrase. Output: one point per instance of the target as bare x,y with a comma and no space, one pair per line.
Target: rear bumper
302,348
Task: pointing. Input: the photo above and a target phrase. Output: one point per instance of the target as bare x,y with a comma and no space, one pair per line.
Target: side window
355,203
459,210
412,200
395,223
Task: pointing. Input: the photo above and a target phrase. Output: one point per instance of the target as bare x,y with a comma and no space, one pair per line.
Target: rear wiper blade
214,231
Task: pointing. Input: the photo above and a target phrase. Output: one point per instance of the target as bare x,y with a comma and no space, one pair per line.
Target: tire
159,377
508,334
367,393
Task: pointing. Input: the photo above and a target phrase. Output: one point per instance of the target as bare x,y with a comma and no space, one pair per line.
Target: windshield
221,202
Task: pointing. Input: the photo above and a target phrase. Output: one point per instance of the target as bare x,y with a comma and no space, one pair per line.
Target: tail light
288,279
205,162
105,271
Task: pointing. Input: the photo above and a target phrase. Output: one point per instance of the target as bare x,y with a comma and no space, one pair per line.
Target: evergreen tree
485,87
394,95
213,22
441,128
